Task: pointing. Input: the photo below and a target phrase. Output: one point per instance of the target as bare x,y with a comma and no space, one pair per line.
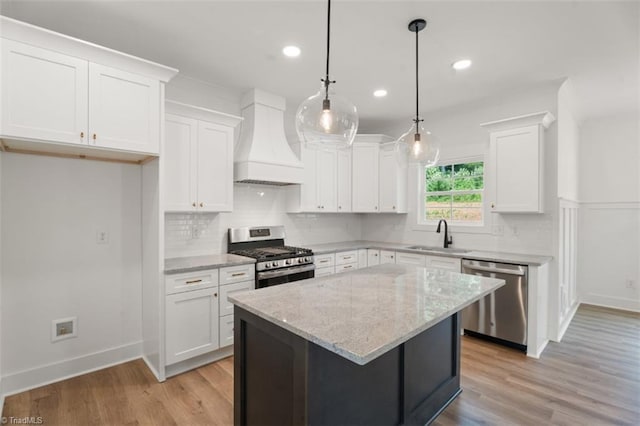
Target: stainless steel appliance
502,315
276,263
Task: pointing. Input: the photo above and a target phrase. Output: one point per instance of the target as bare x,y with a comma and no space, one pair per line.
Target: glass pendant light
418,145
326,119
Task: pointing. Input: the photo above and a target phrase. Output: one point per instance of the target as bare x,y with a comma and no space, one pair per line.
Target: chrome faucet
447,238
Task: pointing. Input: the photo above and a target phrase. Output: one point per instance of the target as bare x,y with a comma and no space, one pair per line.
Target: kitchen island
379,345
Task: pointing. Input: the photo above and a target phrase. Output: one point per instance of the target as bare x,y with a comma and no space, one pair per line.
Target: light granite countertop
179,265
526,259
362,314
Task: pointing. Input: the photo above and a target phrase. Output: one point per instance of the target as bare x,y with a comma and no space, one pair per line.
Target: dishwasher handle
519,271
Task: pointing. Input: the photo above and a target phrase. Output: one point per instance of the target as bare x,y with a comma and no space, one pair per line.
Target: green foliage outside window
454,192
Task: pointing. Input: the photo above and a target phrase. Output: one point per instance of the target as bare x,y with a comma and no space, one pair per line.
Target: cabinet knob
394,207
95,136
339,207
201,204
375,207
81,135
493,205
193,204
215,294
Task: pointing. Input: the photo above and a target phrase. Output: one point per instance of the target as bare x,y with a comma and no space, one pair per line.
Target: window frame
423,224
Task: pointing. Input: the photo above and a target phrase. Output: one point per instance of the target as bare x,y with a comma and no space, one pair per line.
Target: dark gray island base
284,379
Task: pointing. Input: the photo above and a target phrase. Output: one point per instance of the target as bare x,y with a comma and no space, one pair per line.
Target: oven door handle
286,271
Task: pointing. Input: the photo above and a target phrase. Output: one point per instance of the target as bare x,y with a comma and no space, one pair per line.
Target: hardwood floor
591,377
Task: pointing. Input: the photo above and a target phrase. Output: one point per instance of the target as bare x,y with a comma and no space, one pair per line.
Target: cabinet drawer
191,281
347,267
346,257
323,272
324,260
411,259
448,263
226,331
387,256
236,274
226,307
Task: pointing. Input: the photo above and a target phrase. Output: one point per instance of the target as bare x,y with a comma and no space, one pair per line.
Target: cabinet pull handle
394,207
95,136
193,204
324,261
201,204
339,207
348,266
193,281
215,294
81,135
492,205
238,274
346,257
375,207
376,254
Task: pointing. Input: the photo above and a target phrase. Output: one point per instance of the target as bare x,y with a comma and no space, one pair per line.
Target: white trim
198,361
611,205
152,368
567,321
538,351
200,113
612,302
543,118
50,373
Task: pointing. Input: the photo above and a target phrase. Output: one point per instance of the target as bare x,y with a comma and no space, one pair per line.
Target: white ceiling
237,44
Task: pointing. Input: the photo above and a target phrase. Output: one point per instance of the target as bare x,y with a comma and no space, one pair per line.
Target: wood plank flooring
591,377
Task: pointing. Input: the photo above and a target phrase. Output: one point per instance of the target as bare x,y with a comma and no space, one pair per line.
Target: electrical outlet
102,237
64,328
630,284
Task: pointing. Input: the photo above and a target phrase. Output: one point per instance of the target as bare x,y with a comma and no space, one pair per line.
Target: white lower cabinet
411,259
232,280
324,261
373,257
362,258
191,324
387,256
452,264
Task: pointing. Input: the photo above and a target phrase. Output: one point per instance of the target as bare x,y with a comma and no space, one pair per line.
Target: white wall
568,144
53,268
609,225
460,135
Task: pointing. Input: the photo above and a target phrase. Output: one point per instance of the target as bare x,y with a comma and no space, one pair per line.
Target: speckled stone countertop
525,259
179,265
362,314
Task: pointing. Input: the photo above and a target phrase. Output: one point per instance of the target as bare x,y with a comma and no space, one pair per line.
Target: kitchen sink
438,249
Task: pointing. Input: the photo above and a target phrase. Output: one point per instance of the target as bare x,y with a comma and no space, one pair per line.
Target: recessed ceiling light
291,51
380,93
462,64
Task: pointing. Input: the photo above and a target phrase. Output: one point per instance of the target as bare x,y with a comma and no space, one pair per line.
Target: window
454,192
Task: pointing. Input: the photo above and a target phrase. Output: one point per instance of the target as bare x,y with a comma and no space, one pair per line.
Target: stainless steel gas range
276,263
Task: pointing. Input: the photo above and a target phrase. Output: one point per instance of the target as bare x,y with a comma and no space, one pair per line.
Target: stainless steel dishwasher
502,315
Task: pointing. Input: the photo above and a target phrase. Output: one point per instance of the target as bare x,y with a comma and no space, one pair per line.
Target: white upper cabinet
198,159
68,97
44,94
393,180
318,192
124,110
344,180
516,147
365,177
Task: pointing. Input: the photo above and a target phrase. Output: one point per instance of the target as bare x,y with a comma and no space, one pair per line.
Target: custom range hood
263,154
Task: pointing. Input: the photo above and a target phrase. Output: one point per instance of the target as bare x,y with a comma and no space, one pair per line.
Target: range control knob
267,265
306,259
300,260
274,264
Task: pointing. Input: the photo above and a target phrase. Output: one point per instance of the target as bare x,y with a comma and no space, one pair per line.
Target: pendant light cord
326,80
417,119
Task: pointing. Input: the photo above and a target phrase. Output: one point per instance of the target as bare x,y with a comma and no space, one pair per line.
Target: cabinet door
362,258
215,167
179,158
388,181
373,257
124,110
226,331
411,259
326,179
309,189
344,180
44,94
191,324
516,157
452,264
365,178
387,256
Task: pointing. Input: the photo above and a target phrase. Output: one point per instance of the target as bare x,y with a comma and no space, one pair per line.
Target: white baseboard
198,361
611,302
153,369
29,379
538,351
567,321
1,406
